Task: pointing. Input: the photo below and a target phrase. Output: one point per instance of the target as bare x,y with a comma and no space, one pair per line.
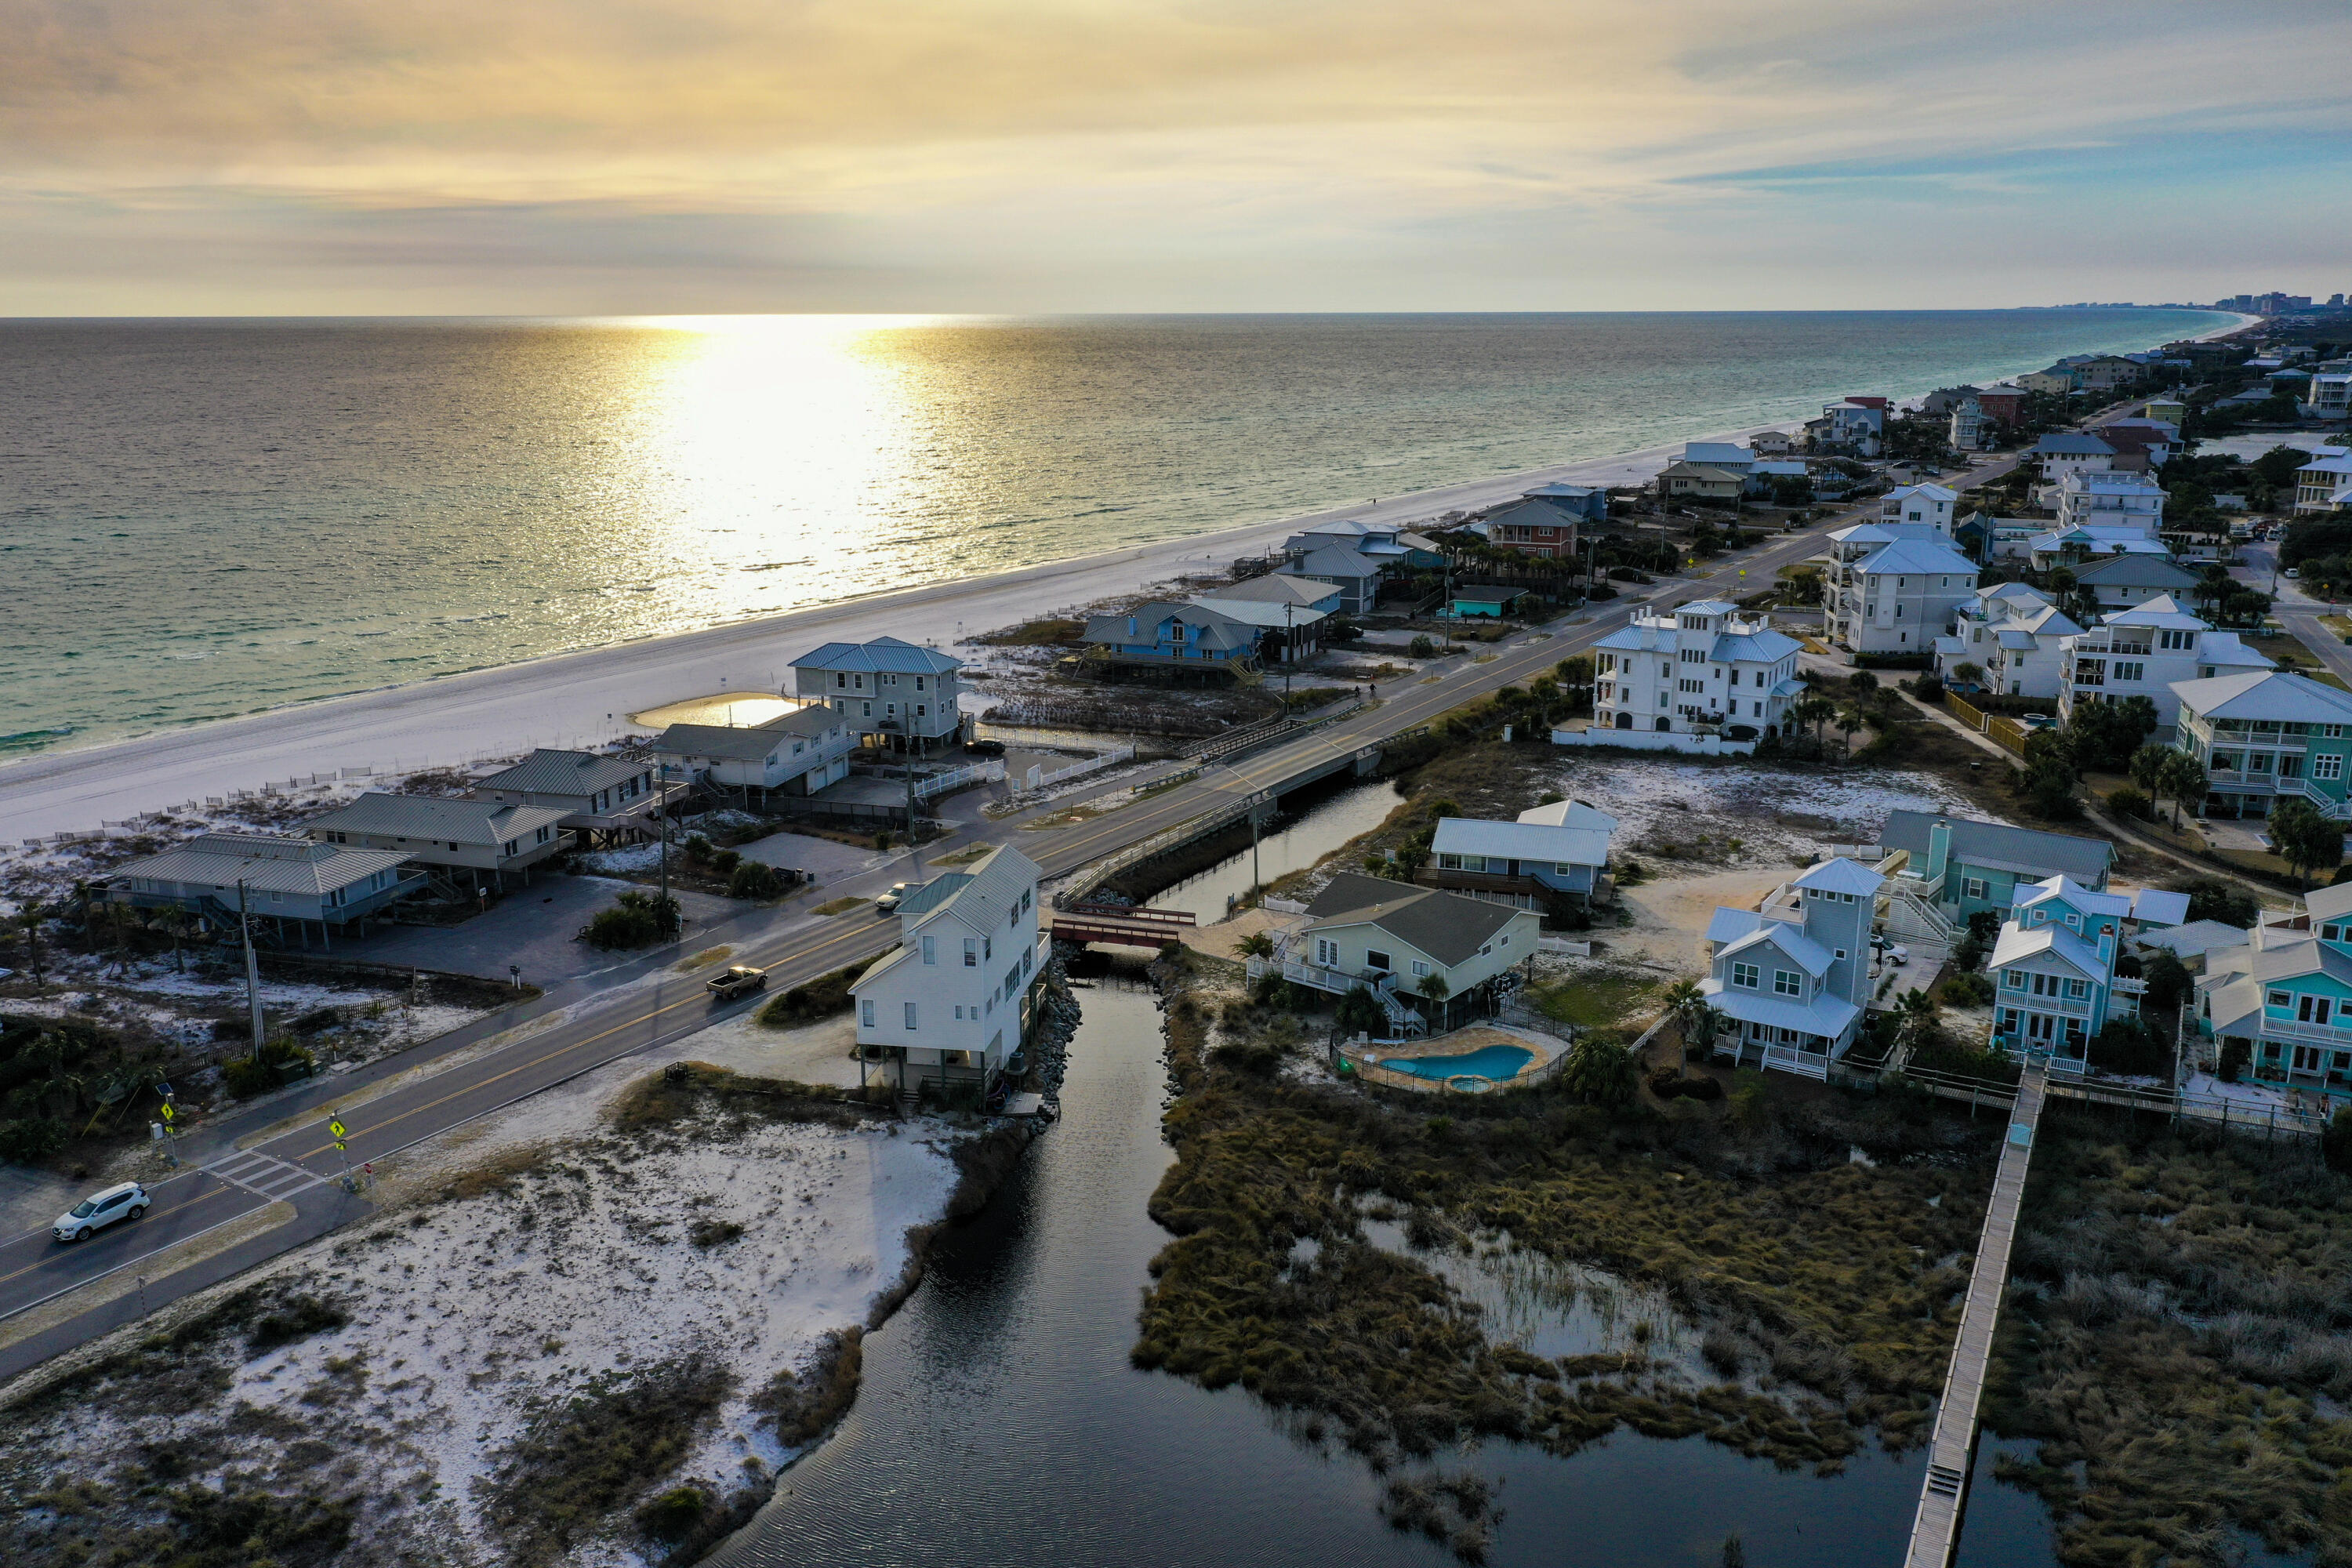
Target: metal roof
2156,907
1826,1015
1273,588
1727,924
733,742
1917,558
1800,949
1999,846
423,817
2017,943
222,860
1447,928
984,896
883,655
2195,938
2268,694
1840,875
550,771
1569,814
2137,571
2067,890
2329,904
1523,840
1332,561
2065,443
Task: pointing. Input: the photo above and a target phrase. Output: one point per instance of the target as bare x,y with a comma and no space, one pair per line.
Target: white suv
100,1210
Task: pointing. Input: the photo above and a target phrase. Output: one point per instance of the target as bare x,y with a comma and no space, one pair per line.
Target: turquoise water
200,519
1496,1062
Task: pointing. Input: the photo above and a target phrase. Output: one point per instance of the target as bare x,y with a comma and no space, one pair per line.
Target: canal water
1313,823
999,1422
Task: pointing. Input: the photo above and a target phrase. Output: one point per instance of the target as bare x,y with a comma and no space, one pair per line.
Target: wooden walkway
1119,924
1936,1532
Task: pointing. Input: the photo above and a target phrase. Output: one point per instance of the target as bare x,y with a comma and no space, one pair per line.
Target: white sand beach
586,697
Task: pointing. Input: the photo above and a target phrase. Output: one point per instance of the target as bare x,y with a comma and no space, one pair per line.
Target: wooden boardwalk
1936,1532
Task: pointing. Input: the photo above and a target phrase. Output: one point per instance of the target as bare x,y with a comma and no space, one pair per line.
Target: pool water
1496,1062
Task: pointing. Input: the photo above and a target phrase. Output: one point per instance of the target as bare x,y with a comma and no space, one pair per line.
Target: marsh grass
1823,1279
2177,1340
820,998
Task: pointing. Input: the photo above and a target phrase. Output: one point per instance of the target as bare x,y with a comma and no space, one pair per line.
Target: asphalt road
225,1181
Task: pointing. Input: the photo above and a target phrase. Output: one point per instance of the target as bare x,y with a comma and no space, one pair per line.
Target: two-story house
955,1000
1179,641
1354,574
1853,425
1288,612
1701,669
793,754
1583,503
1971,640
599,794
2127,580
2144,652
897,695
1702,483
1551,852
2265,735
2053,972
1789,981
1771,442
1535,527
1899,598
2063,452
1928,505
471,836
2077,546
217,876
1433,960
1962,865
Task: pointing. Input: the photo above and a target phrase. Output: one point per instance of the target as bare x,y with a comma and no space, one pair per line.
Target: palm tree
1435,990
1916,1017
1967,673
1257,944
1693,1018
2184,780
1815,710
2147,770
1849,722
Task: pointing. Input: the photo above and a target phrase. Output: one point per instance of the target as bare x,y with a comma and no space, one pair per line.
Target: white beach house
1899,598
1701,669
953,1003
795,753
2144,652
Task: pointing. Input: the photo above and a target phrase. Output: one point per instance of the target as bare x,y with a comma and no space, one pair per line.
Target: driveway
531,927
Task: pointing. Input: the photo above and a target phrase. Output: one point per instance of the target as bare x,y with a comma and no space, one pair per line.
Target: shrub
672,1516
754,880
1965,990
2129,1046
726,860
294,1318
2236,1052
1928,688
820,998
1360,1014
1601,590
1422,647
2336,1144
278,1061
2209,900
635,919
1600,1072
32,1138
2129,801
2167,980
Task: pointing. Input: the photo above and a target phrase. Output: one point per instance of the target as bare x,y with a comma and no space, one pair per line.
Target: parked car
100,1209
740,979
2295,573
894,898
1892,953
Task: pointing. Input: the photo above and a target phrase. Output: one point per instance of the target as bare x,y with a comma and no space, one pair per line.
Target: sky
294,157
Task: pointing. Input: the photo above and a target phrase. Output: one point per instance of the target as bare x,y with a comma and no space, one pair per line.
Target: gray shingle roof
547,772
884,655
1447,928
2003,848
422,816
719,741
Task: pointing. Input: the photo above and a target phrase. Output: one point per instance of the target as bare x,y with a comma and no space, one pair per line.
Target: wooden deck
1119,925
1943,1497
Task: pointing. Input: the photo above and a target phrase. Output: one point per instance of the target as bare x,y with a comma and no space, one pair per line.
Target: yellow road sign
336,1128
167,1110
339,1144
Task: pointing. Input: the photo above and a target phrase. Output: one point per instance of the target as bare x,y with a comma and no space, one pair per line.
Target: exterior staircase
1905,915
1404,1016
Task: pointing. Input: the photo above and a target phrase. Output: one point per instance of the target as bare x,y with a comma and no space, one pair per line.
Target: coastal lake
999,1422
207,517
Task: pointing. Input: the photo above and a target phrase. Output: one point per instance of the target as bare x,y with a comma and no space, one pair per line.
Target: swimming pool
1496,1062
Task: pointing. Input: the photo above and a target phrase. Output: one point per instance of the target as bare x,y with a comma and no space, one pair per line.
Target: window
2327,766
1787,982
1376,960
2327,933
2280,999
2078,989
1840,952
971,952
1973,888
1743,975
931,953
2013,978
1419,968
987,948
865,1013
910,1014
2130,669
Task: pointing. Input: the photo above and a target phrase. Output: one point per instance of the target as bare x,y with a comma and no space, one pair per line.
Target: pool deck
1462,1042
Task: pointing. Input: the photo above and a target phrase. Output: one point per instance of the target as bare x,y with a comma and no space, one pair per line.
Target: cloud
1009,148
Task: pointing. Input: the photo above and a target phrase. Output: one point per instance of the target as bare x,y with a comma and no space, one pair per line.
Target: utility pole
1288,652
252,968
661,815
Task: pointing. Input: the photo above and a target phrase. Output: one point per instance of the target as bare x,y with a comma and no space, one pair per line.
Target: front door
2313,1010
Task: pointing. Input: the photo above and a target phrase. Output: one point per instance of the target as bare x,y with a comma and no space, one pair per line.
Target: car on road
2294,574
740,980
100,1209
894,898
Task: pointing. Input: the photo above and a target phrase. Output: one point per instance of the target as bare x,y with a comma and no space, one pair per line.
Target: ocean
200,519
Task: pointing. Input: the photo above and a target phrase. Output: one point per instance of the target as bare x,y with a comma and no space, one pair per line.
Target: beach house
1702,482
794,754
2063,452
1288,612
1180,642
2142,652
1963,864
2015,637
2053,972
1536,528
2265,735
1789,981
1771,442
1853,427
1552,852
1585,503
2074,545
2004,406
487,839
2325,483
1704,668
599,794
2329,395
2127,580
953,1003
1433,960
1926,505
2086,498
2283,991
895,695
1899,598
214,876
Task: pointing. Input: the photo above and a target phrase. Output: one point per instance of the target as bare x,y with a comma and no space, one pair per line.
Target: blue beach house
2054,969
1178,639
1962,866
1789,981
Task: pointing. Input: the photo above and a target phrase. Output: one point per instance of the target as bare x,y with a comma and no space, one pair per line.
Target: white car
100,1210
1892,953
